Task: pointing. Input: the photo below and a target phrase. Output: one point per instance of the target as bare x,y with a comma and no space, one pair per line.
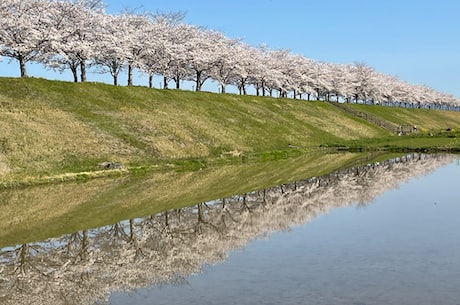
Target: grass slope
51,128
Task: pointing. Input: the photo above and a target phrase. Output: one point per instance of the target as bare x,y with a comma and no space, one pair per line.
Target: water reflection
87,266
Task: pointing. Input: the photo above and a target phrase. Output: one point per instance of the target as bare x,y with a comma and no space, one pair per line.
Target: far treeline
79,35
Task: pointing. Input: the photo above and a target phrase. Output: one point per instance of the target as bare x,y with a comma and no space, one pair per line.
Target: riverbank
58,129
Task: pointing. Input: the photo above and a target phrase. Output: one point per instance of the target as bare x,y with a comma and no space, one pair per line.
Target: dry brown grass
40,139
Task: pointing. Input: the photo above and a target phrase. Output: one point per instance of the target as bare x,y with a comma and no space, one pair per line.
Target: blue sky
415,40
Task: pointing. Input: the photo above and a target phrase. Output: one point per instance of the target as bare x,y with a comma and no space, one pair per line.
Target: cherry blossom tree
175,64
281,68
296,68
165,49
363,79
320,79
249,67
202,54
339,81
304,72
226,66
25,29
138,34
79,25
74,34
260,68
113,50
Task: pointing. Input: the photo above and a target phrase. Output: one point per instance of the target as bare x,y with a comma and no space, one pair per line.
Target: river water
401,248
382,233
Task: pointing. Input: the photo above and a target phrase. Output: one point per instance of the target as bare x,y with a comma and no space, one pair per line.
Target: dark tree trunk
73,68
166,219
22,66
222,88
82,71
151,80
115,80
198,81
130,75
177,80
165,82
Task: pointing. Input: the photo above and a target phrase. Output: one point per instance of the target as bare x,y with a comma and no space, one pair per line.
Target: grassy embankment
58,130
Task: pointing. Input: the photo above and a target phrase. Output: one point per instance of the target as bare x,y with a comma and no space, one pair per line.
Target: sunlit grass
51,128
424,119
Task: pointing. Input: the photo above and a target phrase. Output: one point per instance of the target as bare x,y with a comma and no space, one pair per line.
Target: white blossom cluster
77,34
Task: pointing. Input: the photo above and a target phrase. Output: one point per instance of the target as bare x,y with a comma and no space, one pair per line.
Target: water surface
401,248
381,233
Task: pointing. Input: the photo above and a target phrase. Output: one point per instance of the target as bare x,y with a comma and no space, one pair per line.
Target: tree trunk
150,80
130,75
22,66
177,80
198,81
131,231
73,68
165,82
166,219
83,71
222,88
115,80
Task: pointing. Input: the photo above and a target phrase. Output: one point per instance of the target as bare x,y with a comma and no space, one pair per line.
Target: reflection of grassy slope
40,212
51,127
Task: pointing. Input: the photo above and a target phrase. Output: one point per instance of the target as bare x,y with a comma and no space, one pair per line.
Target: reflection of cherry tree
167,247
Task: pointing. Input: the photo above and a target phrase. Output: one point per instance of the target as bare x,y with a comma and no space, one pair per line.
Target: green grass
424,119
52,128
